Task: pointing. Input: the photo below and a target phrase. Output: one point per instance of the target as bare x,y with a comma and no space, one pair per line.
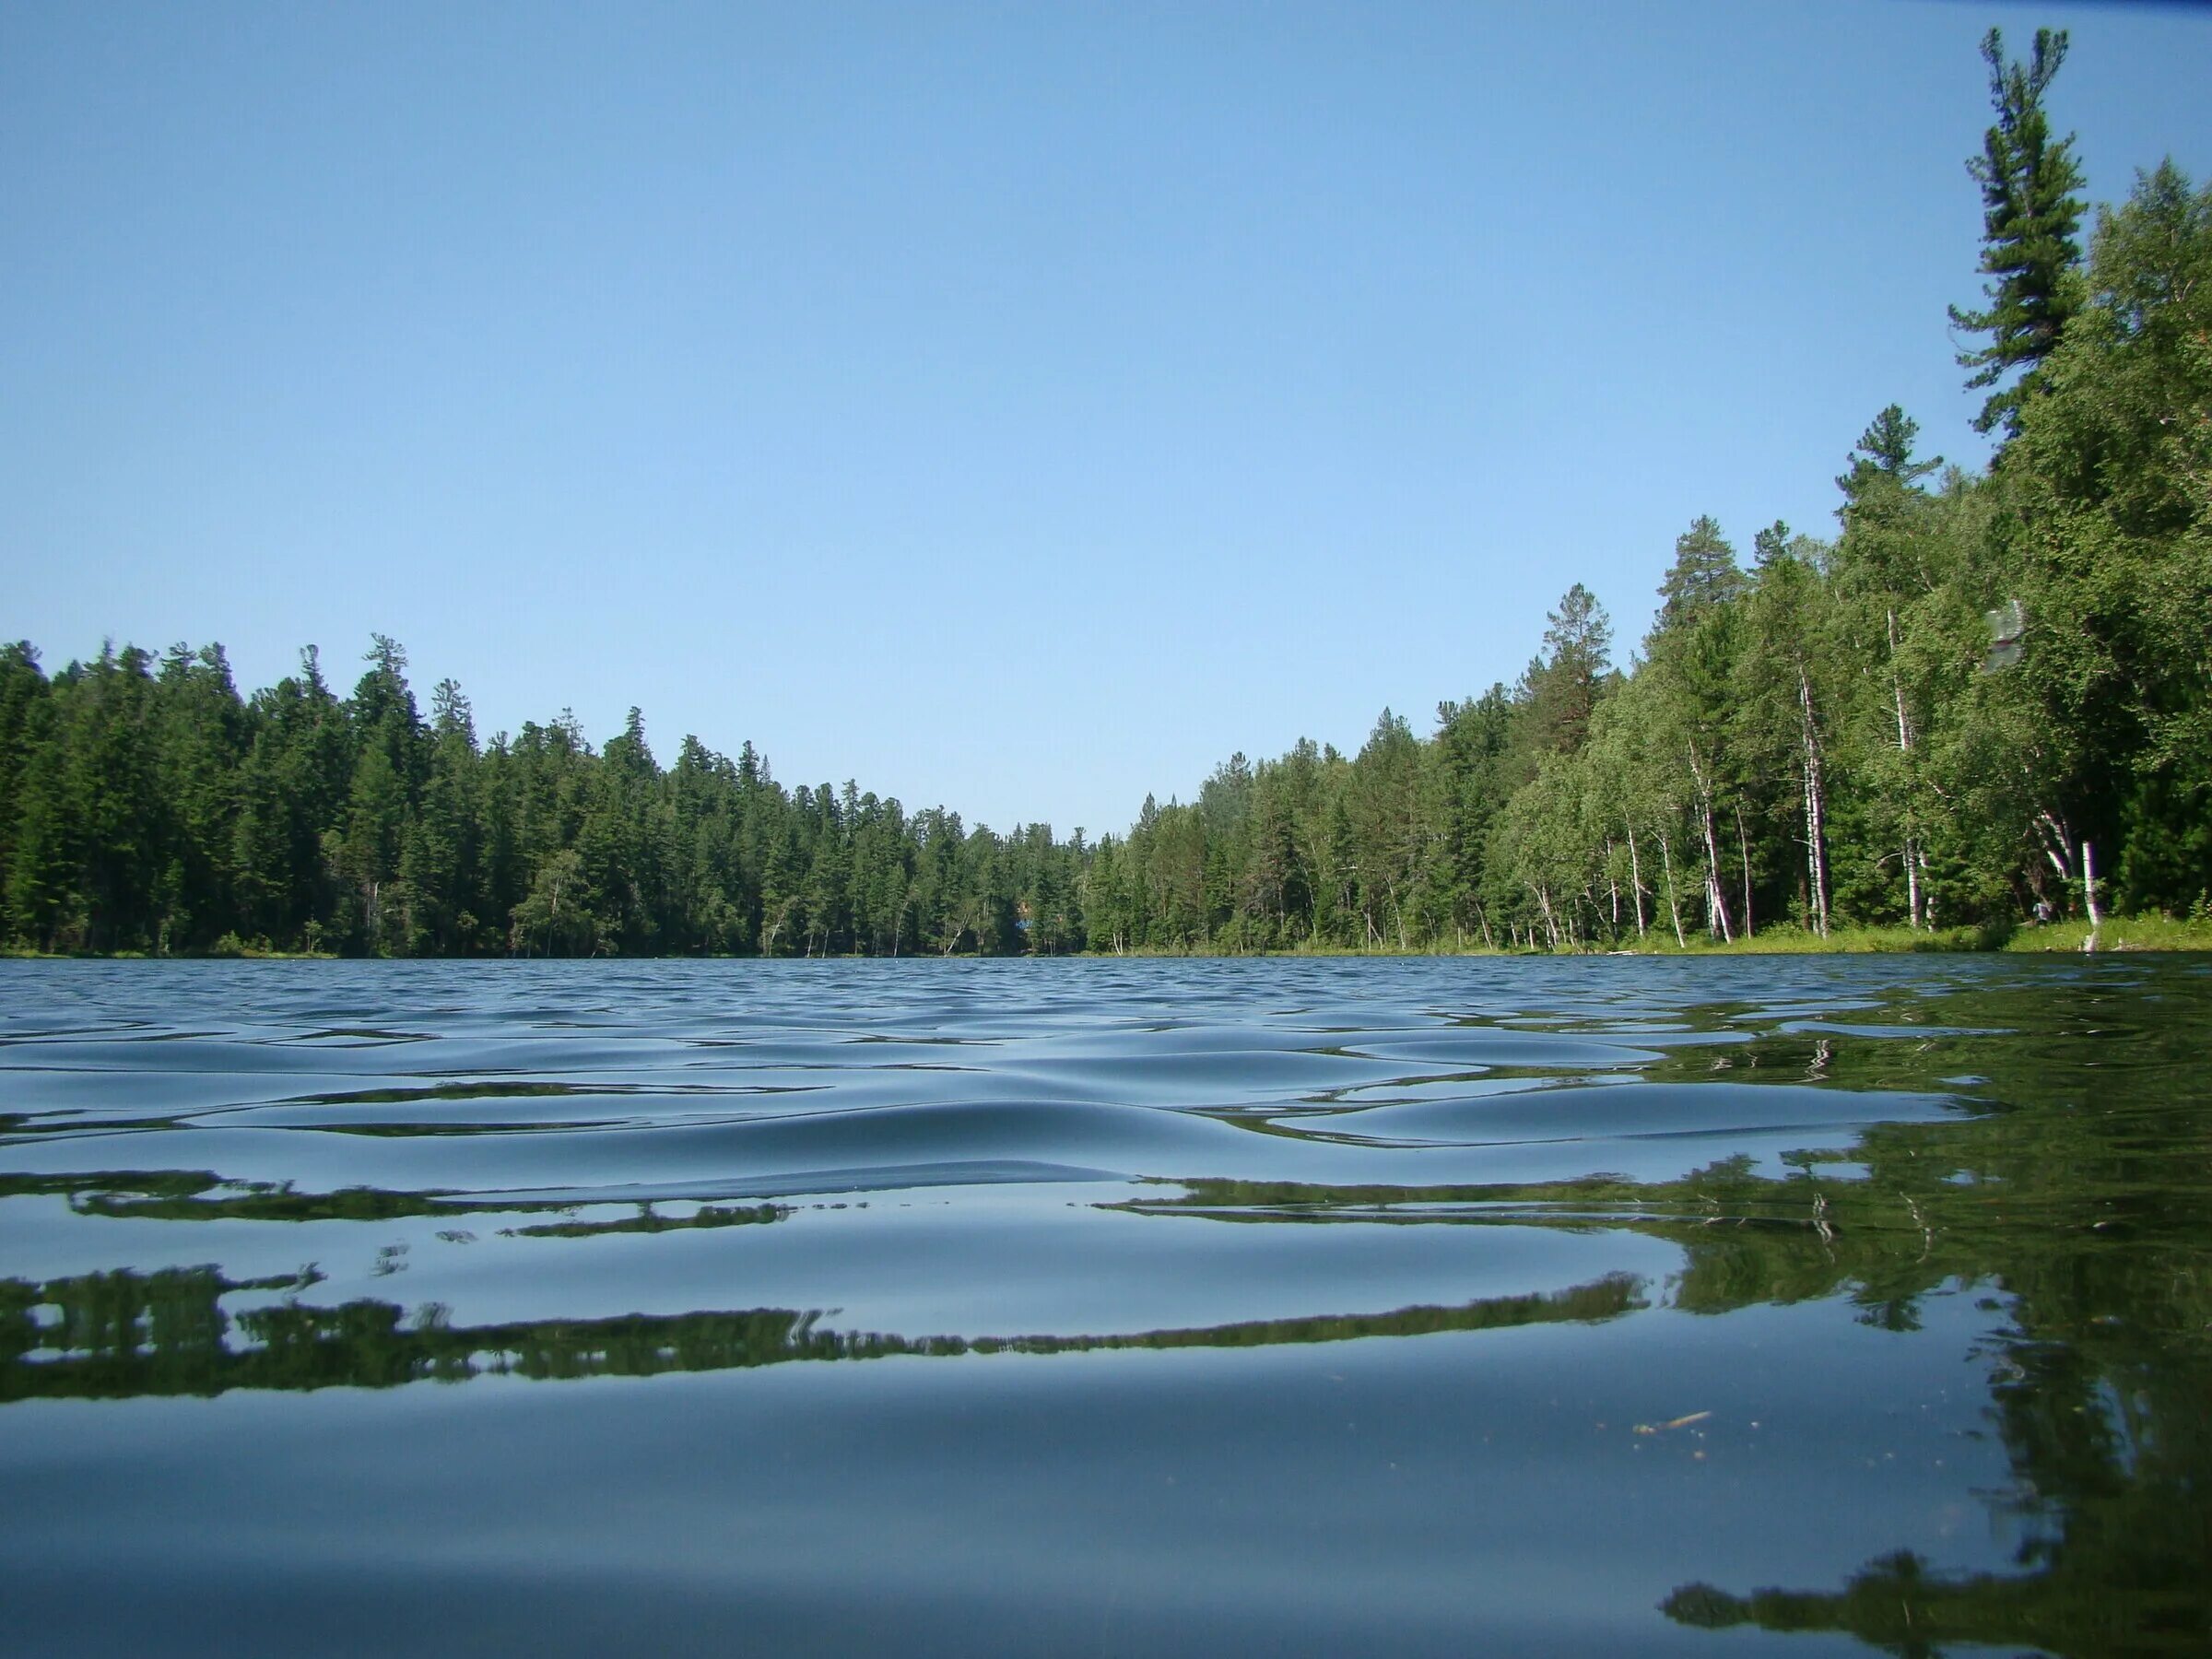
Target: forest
1981,690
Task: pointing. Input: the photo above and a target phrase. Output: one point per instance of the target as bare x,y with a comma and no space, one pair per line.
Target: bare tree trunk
1635,877
1673,908
2089,893
1551,928
1904,747
1816,844
1743,852
2057,843
1716,902
1399,911
1911,878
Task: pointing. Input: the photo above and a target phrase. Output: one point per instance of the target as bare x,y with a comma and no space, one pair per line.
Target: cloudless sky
1020,406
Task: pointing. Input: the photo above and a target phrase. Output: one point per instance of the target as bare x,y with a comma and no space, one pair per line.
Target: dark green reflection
2102,1405
2149,1600
650,1220
2084,1208
201,1195
110,1335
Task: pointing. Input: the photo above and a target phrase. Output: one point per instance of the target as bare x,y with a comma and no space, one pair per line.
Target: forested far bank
150,808
1982,699
1978,696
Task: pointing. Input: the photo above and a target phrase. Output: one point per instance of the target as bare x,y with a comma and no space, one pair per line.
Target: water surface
1107,1307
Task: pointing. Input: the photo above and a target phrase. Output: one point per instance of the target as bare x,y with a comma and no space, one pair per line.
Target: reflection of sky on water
1920,1238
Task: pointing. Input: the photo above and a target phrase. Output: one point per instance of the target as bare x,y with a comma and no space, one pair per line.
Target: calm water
1591,1306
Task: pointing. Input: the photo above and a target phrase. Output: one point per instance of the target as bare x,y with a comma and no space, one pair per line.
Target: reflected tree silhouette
2086,1217
110,1335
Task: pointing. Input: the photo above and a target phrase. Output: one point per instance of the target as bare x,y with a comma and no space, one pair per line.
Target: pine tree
23,697
1704,574
1884,450
2030,219
41,873
1565,683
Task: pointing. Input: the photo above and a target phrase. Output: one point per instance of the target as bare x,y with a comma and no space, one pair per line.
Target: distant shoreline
2123,934
2061,938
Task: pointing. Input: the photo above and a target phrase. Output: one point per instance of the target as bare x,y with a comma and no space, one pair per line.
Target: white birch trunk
1816,842
1673,908
1716,902
1635,877
1743,849
2057,843
2089,893
1904,747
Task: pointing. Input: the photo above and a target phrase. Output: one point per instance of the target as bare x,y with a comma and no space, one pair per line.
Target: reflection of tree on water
2090,1602
2111,1452
2089,1214
202,1196
2093,1222
108,1335
2094,1218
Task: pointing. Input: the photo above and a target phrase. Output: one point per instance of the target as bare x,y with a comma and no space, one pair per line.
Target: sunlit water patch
1106,1306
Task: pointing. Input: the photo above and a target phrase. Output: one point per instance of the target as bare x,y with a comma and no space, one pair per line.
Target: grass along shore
2115,933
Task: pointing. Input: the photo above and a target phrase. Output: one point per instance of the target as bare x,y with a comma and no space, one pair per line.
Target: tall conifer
2030,219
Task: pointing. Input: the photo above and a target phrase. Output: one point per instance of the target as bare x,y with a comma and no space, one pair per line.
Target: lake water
1107,1307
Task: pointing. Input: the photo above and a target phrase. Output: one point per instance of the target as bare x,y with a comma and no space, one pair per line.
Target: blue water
1092,1306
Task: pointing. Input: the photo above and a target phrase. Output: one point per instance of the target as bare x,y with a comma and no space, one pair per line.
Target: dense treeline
1929,719
1932,718
149,807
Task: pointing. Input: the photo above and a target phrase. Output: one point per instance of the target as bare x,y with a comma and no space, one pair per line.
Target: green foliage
125,1335
1703,576
150,810
1884,453
1819,747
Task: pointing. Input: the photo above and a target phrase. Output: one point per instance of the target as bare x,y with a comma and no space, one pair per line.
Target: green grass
2119,933
1785,940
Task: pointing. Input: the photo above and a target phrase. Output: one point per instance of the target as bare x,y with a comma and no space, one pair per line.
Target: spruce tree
2028,222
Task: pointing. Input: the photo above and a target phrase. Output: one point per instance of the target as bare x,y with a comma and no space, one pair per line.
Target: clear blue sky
1016,407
